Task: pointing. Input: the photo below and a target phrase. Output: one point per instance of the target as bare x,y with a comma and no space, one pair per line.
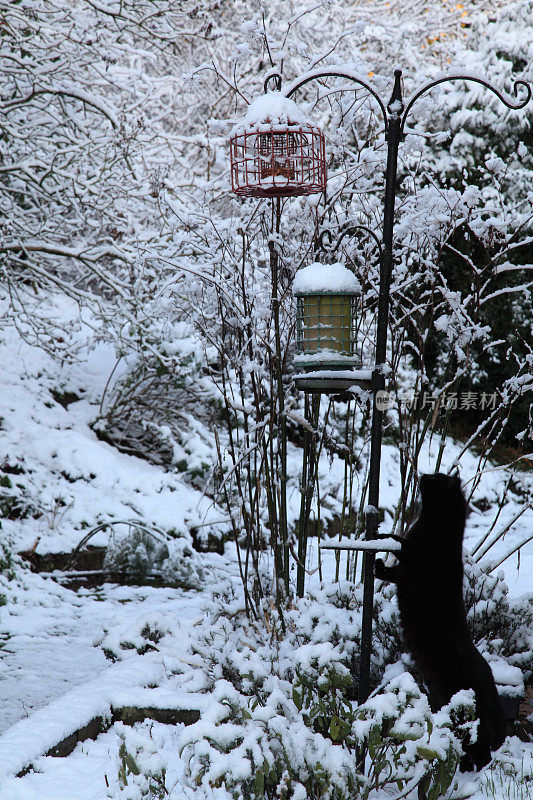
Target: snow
46,648
92,768
71,481
506,675
386,544
332,358
76,480
31,737
318,278
395,108
270,111
49,635
49,655
325,356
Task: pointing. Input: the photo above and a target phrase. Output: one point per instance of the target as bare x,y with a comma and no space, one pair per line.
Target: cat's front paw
380,570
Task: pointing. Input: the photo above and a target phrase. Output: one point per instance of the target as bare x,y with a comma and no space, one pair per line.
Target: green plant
13,507
325,706
127,766
142,558
507,780
154,785
322,747
6,562
141,636
139,764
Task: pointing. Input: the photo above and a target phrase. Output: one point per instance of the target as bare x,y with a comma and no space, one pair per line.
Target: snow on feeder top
276,151
325,317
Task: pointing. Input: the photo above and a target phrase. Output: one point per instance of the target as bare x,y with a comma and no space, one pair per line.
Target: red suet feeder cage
276,151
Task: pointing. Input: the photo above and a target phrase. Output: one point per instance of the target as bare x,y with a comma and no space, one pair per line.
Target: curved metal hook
326,234
428,86
336,72
326,247
273,76
151,530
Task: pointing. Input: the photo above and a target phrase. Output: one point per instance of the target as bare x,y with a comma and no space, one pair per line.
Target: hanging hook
276,76
519,86
321,244
351,229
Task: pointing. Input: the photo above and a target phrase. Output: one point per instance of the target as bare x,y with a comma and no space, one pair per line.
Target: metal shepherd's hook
394,116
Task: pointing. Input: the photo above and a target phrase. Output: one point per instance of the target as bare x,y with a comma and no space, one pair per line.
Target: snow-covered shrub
5,568
140,558
162,408
6,558
140,636
13,503
502,627
273,749
479,323
282,720
328,620
10,564
510,773
141,768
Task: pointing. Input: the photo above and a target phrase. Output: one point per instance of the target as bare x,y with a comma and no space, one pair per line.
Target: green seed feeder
325,359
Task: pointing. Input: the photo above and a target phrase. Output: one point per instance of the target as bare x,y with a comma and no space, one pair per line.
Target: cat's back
430,584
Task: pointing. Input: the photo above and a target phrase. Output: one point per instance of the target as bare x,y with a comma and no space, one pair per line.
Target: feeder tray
276,152
336,382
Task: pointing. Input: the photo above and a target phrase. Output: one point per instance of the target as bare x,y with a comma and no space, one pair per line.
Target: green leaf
131,765
424,785
122,778
259,787
443,777
374,737
427,752
335,727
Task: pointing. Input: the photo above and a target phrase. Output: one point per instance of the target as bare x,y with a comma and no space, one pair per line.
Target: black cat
429,578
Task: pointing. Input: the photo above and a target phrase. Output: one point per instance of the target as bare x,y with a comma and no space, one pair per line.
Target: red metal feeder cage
276,151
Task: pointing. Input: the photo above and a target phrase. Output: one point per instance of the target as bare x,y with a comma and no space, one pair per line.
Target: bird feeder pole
393,135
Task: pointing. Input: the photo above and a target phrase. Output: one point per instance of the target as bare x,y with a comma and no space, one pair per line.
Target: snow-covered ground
70,481
47,633
89,773
49,636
